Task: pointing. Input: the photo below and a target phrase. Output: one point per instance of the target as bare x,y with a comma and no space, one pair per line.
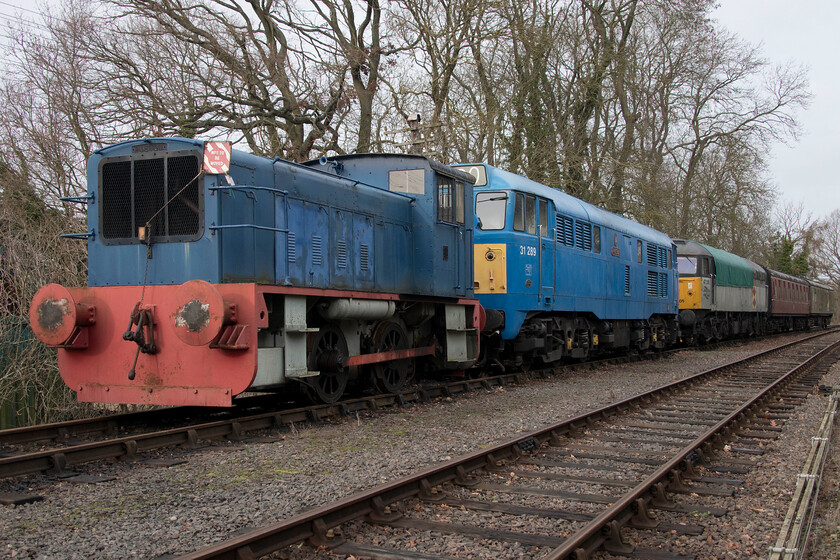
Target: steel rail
114,423
315,525
110,424
57,460
576,545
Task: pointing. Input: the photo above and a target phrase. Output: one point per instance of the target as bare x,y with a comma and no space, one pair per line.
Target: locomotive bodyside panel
440,261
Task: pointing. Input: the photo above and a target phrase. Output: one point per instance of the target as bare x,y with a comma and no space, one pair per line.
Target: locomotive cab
696,281
721,294
517,235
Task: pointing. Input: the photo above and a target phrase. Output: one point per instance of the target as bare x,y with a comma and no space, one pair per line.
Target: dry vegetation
32,254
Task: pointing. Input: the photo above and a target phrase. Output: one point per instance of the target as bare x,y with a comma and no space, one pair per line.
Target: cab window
546,229
596,239
519,212
687,265
531,214
490,209
450,200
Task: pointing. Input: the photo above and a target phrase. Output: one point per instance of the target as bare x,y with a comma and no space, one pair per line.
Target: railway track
57,448
14,441
65,453
572,489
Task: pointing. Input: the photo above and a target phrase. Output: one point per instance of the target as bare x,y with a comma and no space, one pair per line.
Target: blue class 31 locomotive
561,278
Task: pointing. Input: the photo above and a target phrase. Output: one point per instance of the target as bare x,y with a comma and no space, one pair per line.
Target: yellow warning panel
490,269
690,293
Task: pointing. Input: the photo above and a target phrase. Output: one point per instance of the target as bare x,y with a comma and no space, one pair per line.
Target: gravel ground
148,511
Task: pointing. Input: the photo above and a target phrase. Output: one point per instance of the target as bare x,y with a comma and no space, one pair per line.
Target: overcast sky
804,31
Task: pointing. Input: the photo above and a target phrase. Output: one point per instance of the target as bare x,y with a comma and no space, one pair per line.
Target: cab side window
531,214
545,227
519,212
450,200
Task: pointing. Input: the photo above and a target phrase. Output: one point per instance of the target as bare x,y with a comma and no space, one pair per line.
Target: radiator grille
134,191
183,212
626,280
116,200
583,235
342,254
652,284
565,233
363,252
651,255
317,252
291,250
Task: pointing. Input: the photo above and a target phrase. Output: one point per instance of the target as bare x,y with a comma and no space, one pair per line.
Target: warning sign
216,157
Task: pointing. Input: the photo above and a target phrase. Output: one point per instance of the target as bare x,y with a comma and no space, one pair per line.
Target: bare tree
246,73
828,250
731,92
51,122
440,31
352,31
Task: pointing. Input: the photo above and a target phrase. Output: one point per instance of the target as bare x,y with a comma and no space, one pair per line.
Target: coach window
545,229
596,239
519,212
531,214
490,209
450,200
639,251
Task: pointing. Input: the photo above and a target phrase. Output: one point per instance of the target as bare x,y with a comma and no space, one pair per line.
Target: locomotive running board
365,359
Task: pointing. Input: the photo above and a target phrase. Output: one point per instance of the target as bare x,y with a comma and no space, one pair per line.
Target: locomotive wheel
391,377
329,351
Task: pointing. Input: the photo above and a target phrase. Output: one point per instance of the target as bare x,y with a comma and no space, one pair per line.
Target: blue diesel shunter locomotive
208,280
560,278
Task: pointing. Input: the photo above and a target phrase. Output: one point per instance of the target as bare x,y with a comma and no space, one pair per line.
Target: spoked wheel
328,354
392,376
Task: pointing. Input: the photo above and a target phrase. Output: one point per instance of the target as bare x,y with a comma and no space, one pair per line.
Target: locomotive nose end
199,313
54,314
